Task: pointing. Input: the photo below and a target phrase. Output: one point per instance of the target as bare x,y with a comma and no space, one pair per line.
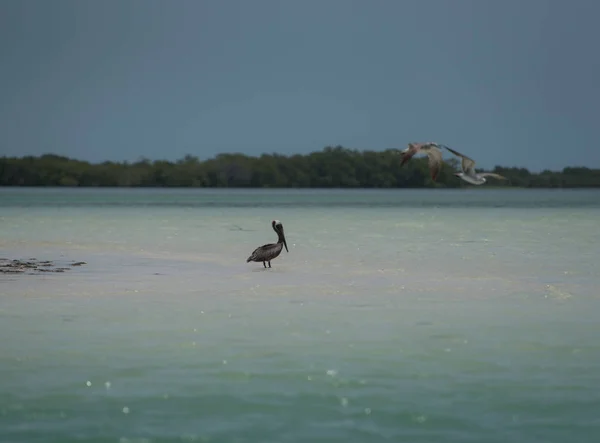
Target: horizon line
144,159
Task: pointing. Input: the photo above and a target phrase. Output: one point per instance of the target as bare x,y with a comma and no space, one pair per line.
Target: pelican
266,253
468,173
434,154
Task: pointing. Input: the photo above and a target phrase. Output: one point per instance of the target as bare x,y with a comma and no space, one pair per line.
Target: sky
507,82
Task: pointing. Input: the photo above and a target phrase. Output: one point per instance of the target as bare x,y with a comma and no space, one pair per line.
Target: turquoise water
397,315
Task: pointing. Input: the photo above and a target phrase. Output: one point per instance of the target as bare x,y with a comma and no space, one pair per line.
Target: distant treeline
330,168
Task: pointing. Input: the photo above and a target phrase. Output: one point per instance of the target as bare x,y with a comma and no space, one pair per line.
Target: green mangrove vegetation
332,167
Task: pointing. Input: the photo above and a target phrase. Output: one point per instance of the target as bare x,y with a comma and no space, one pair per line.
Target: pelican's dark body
268,252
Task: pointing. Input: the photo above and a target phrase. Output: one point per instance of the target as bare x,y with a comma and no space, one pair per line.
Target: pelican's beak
283,237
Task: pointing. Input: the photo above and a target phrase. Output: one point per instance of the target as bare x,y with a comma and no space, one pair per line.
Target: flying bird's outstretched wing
493,175
409,153
434,155
467,164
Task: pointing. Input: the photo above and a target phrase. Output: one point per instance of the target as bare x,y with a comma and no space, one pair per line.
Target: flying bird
468,173
268,252
434,154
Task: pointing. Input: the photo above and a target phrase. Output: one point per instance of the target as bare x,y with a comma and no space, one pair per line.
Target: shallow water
421,315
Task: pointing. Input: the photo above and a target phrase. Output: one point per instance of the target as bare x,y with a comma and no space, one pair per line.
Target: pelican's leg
269,263
264,264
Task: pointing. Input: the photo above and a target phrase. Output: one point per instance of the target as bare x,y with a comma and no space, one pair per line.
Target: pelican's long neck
279,234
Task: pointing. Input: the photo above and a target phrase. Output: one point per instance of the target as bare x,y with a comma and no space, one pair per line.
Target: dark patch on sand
33,266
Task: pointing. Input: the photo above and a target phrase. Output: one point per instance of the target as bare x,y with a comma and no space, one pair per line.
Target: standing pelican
268,252
434,154
468,173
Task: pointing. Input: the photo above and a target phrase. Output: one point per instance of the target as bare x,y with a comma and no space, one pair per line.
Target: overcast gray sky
511,82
